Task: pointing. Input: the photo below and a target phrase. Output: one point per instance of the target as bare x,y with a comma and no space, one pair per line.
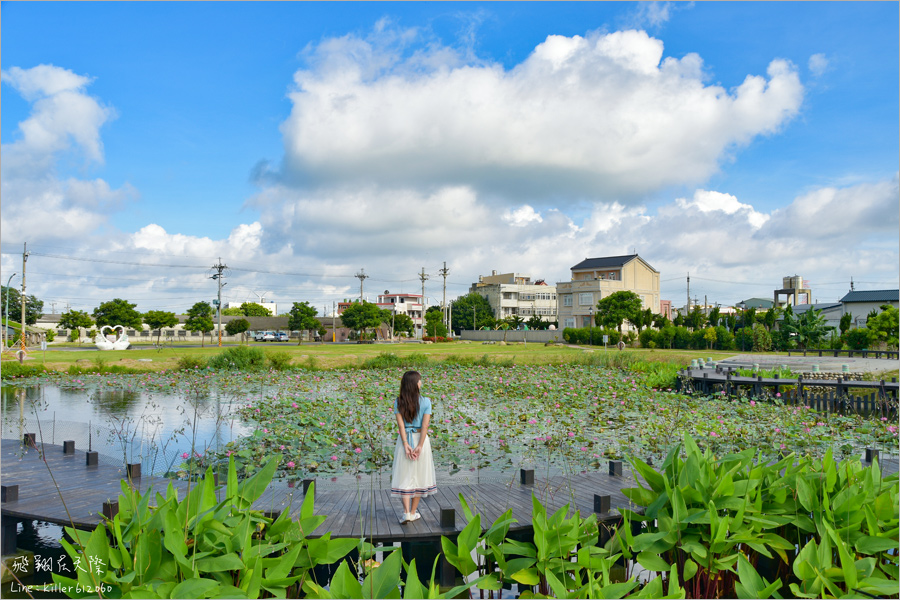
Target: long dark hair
408,400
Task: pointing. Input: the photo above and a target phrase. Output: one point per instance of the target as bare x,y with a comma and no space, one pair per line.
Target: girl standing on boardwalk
413,476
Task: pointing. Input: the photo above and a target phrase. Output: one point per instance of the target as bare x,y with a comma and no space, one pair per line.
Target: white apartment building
515,294
401,304
596,278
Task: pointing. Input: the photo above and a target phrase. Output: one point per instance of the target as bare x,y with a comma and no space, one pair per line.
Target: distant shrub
189,363
437,338
279,360
12,369
240,358
388,360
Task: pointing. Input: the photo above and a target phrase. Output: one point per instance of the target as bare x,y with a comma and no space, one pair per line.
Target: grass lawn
350,354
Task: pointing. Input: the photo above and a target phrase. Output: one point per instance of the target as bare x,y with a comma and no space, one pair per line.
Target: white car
282,337
265,336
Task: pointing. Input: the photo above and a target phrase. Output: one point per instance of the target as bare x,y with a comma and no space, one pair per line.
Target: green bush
590,335
190,362
241,358
15,369
389,360
857,339
279,360
51,335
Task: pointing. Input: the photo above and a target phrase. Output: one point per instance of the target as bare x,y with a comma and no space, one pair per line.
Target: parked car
282,337
265,336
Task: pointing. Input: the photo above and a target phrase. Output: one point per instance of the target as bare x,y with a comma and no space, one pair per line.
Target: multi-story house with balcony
399,303
596,278
512,294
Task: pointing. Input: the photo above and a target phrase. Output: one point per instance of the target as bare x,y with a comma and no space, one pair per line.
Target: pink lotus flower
184,455
293,405
753,403
532,421
571,434
357,450
334,458
291,464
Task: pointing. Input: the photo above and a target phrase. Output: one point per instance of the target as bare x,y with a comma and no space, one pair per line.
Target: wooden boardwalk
364,512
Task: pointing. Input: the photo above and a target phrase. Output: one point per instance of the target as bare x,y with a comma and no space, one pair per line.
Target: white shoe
406,518
416,516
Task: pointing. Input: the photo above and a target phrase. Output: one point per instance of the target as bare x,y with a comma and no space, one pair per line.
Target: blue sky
741,142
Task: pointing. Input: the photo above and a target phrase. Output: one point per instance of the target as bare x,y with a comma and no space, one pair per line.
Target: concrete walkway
827,364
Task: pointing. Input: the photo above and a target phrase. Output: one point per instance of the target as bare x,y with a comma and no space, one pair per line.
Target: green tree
762,340
810,328
660,321
434,322
252,309
770,317
883,326
403,323
303,318
200,319
74,320
234,311
713,317
641,319
857,339
34,308
157,319
535,322
362,316
117,312
710,336
695,319
462,317
613,310
515,321
679,320
237,326
846,320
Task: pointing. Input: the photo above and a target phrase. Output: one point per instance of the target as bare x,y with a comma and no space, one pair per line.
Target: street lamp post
6,323
591,325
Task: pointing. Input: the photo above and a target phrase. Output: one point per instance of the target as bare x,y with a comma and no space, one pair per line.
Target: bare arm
402,427
426,421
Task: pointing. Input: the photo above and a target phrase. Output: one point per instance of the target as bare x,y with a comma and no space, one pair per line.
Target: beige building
515,294
596,278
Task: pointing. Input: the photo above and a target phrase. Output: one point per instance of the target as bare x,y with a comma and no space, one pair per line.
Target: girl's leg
415,505
405,501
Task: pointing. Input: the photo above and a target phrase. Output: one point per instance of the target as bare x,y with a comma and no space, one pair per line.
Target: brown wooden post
601,503
30,440
91,459
110,509
133,470
69,447
9,493
615,468
448,518
526,476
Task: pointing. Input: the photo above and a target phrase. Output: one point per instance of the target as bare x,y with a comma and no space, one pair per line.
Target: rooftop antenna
262,298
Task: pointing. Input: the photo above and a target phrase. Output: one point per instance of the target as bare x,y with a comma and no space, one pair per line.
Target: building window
567,299
585,299
570,322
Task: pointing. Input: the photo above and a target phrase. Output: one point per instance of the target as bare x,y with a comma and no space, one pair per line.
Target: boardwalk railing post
110,509
30,440
272,514
448,518
526,476
615,468
306,484
601,503
8,535
91,459
69,447
133,470
9,493
871,455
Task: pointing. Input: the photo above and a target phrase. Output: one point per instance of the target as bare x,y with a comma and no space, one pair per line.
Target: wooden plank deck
364,512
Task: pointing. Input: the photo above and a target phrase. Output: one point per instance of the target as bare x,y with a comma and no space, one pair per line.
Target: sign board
605,339
43,345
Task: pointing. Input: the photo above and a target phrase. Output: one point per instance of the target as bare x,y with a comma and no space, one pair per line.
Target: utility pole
362,277
333,321
444,272
22,344
219,268
423,277
689,292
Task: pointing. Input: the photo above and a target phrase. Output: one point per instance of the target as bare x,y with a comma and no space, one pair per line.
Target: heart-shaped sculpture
110,342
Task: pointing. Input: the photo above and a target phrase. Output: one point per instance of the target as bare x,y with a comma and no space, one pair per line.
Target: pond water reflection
151,426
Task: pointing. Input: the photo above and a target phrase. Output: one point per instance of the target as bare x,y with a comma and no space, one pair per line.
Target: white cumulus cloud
603,115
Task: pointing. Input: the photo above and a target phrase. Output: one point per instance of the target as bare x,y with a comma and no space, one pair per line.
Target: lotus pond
487,420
